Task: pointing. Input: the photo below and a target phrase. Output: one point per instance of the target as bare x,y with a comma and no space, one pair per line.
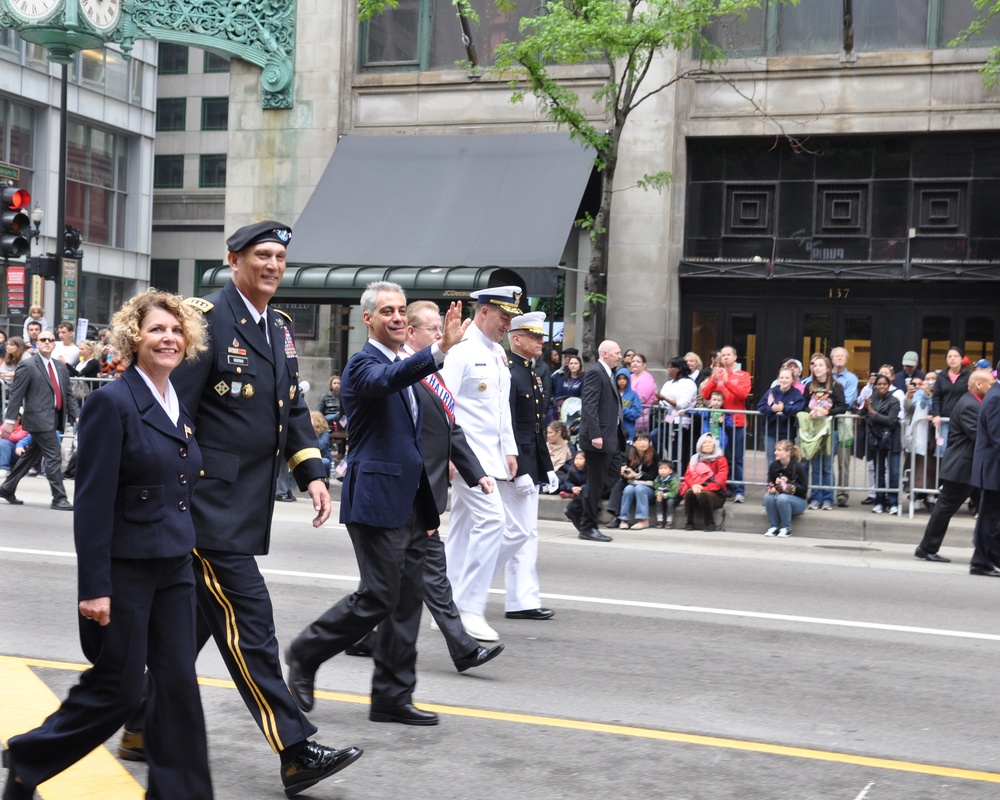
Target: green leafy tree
622,38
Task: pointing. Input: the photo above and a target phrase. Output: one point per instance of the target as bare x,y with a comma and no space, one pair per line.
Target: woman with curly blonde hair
137,465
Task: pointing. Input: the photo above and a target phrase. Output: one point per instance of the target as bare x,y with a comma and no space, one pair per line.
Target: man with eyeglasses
41,385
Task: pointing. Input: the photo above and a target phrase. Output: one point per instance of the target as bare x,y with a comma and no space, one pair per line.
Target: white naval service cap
506,298
529,323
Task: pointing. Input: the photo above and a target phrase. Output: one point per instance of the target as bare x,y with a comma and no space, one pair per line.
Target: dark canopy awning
345,284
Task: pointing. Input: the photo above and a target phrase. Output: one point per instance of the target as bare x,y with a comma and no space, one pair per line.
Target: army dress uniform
243,394
527,403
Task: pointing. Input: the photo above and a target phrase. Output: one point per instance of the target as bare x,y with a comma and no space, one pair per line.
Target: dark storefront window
880,201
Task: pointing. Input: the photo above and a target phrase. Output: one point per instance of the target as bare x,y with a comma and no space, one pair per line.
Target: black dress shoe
931,556
62,505
13,790
301,682
531,613
9,497
594,535
989,572
572,518
314,763
407,713
285,498
362,650
478,657
868,501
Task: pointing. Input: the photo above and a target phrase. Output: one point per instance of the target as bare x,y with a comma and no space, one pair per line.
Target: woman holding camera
787,487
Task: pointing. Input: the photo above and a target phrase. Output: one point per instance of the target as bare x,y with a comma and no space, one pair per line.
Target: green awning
321,284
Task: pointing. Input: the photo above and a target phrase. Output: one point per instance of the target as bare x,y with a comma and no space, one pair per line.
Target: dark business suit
600,418
443,441
243,394
986,475
134,535
388,506
956,470
32,388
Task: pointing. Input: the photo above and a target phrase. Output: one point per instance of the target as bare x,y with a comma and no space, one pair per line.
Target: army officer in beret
243,394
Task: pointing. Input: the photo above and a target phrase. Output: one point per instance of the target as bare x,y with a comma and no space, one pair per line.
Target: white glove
553,486
524,484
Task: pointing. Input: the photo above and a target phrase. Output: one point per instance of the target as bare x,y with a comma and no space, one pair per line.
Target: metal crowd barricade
852,466
925,448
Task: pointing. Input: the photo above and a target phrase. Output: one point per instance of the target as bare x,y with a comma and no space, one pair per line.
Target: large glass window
16,143
212,171
173,59
214,113
427,34
100,297
215,63
171,113
817,26
96,177
168,172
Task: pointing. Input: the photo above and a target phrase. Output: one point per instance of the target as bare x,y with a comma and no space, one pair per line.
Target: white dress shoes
477,627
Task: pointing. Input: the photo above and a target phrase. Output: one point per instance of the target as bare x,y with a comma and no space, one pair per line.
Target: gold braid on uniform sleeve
303,455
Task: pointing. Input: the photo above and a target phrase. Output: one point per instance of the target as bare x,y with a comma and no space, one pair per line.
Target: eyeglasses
44,339
431,328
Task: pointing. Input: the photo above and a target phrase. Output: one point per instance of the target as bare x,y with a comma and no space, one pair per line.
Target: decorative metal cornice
924,271
259,31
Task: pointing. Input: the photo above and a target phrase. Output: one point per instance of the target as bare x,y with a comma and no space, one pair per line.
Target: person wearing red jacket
735,385
703,489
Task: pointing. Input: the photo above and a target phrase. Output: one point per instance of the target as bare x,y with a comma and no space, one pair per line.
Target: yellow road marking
7,728
27,700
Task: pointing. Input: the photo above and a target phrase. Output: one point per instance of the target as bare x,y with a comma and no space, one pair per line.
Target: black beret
266,231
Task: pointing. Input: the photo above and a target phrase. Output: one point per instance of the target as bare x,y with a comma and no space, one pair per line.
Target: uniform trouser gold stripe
267,721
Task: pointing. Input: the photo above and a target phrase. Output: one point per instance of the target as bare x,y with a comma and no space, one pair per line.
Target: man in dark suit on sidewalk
389,508
41,385
956,465
986,475
601,438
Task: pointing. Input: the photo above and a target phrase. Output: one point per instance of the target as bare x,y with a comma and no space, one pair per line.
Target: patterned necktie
410,399
55,385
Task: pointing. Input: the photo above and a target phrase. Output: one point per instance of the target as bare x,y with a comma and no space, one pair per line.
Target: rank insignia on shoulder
279,322
200,303
221,388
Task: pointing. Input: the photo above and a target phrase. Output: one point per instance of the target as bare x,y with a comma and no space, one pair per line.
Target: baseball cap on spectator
910,359
983,363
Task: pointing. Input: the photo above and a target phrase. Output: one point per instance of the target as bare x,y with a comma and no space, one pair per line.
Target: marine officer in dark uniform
534,466
251,420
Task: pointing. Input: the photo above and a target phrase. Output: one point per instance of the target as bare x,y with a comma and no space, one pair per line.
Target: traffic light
14,222
72,241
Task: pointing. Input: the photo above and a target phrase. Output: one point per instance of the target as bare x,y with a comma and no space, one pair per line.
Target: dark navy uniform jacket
527,412
135,474
243,395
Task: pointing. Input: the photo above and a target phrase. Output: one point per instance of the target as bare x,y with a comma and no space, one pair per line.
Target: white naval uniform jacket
478,375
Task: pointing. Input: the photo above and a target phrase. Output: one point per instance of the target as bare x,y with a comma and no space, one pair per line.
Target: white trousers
479,543
521,571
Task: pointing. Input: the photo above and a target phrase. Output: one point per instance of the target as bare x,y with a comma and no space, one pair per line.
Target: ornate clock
32,9
102,14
